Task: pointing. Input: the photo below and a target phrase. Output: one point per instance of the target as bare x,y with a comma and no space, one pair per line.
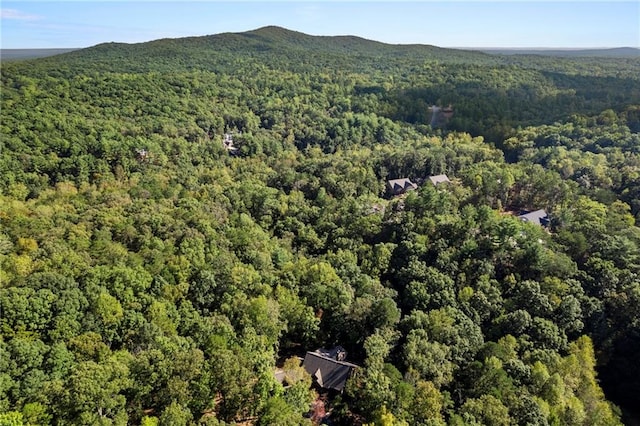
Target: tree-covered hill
491,93
151,274
280,43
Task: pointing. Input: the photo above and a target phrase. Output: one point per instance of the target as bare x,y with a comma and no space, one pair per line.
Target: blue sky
515,23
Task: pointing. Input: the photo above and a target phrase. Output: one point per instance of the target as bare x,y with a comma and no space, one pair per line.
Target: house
400,186
328,368
440,116
142,154
447,112
228,143
438,179
538,217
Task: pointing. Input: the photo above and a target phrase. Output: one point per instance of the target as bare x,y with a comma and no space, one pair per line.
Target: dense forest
181,218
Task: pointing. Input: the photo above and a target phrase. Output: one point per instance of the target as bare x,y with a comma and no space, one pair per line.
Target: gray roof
439,179
329,373
338,353
539,217
399,186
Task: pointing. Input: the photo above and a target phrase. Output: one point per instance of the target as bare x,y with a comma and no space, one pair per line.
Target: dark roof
539,217
338,353
398,186
439,179
328,372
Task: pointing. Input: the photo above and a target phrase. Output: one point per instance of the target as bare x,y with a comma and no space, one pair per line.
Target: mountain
347,44
491,92
274,39
270,45
280,48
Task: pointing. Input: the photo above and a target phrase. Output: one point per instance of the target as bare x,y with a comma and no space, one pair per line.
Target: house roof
338,353
539,217
401,185
328,372
439,179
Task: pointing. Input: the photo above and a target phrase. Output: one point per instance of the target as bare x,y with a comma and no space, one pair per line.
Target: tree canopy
151,275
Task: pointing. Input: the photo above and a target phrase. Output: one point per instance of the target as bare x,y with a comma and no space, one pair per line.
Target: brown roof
439,179
398,186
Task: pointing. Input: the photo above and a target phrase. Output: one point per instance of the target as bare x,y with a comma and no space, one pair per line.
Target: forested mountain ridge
151,275
273,44
404,78
287,43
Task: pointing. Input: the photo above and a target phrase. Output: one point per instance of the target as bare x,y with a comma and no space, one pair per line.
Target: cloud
16,15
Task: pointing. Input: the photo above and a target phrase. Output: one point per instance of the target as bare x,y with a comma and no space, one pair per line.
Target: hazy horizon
456,24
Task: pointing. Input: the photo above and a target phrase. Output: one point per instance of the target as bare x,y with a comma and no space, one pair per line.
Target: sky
475,23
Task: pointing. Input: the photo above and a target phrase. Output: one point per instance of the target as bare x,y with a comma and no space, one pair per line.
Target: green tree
430,360
175,414
94,392
487,410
